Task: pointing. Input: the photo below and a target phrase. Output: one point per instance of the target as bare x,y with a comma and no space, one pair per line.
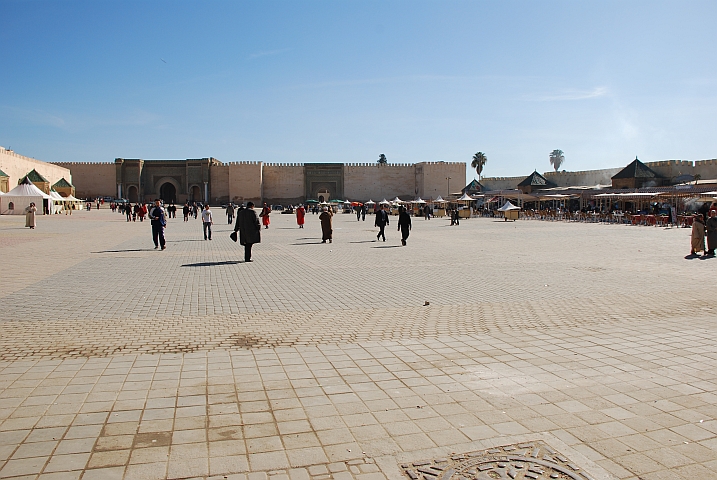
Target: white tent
466,198
16,200
439,200
397,200
508,206
420,200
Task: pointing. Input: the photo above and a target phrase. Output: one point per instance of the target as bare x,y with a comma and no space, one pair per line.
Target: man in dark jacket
404,224
158,224
249,229
381,222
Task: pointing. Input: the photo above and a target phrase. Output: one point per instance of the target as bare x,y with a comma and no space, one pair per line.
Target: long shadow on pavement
211,264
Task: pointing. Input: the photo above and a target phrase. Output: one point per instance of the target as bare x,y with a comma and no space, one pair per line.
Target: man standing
326,219
381,222
404,224
158,223
249,229
207,222
230,213
712,233
265,212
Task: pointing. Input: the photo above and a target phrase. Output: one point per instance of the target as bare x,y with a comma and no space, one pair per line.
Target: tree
557,159
382,159
478,163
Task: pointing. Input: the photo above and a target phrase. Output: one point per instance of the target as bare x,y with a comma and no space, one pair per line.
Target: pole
449,186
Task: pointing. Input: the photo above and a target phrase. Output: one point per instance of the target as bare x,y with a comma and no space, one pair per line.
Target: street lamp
449,186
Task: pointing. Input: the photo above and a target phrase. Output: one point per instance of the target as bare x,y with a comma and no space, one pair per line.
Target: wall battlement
670,163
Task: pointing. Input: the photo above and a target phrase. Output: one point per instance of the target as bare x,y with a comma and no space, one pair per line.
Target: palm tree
478,163
556,159
382,159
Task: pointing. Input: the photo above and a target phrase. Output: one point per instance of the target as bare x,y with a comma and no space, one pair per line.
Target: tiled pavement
322,361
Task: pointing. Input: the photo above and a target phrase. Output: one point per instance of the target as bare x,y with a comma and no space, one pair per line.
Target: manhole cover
520,461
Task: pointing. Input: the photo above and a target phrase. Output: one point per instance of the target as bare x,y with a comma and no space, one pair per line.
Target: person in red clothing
265,211
300,213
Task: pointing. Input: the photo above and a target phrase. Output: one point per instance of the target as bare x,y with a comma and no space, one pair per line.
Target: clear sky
343,81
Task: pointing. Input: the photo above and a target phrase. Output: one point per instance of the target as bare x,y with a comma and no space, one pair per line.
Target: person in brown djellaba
711,225
326,219
30,215
698,234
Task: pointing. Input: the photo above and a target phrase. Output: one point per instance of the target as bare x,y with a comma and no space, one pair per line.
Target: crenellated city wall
17,166
92,179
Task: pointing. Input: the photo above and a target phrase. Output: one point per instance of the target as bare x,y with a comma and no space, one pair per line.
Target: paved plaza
492,350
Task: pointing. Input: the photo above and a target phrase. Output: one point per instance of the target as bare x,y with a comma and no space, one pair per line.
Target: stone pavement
573,350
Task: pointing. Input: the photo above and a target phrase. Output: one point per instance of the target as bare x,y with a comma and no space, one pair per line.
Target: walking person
404,224
185,211
230,213
128,211
381,222
697,239
207,222
711,225
265,212
363,213
142,212
326,218
159,223
358,213
30,211
300,214
249,229
172,209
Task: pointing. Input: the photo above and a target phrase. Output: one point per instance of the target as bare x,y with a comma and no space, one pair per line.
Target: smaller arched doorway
323,195
168,193
132,195
195,194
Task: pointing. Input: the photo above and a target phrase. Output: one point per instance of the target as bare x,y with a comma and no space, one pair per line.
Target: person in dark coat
230,213
381,222
711,225
159,222
326,227
404,224
249,229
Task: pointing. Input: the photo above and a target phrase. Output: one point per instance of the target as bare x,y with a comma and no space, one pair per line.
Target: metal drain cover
520,461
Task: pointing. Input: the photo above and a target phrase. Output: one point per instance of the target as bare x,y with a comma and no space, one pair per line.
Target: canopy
439,200
312,201
57,196
346,201
508,206
420,200
336,200
20,198
356,204
466,198
324,203
384,202
370,202
397,200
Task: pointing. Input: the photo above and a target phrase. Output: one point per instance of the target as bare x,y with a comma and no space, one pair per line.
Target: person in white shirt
207,222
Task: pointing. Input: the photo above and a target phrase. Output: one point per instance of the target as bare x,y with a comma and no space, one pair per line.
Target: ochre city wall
92,180
376,182
435,181
17,166
245,181
283,183
581,178
219,181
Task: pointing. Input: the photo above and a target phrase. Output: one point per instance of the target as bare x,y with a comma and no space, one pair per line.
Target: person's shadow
211,264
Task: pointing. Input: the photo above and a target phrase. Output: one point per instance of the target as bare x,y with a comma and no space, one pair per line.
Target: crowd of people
704,226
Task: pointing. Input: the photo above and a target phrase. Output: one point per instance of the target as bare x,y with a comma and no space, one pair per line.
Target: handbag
233,236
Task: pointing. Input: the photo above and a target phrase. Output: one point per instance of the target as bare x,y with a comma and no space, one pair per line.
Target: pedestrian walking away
249,229
159,222
358,213
327,232
381,222
207,222
230,213
30,215
128,211
185,212
363,213
300,214
711,225
265,212
404,224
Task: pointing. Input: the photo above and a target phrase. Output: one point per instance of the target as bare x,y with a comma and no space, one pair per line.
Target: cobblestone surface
322,361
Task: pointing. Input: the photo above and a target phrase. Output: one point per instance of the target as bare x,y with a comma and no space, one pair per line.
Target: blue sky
344,81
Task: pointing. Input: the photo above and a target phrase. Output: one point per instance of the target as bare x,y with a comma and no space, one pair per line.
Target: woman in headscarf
300,213
698,234
326,231
30,215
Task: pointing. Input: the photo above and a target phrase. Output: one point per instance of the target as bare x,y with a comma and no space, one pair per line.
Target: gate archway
168,193
132,194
